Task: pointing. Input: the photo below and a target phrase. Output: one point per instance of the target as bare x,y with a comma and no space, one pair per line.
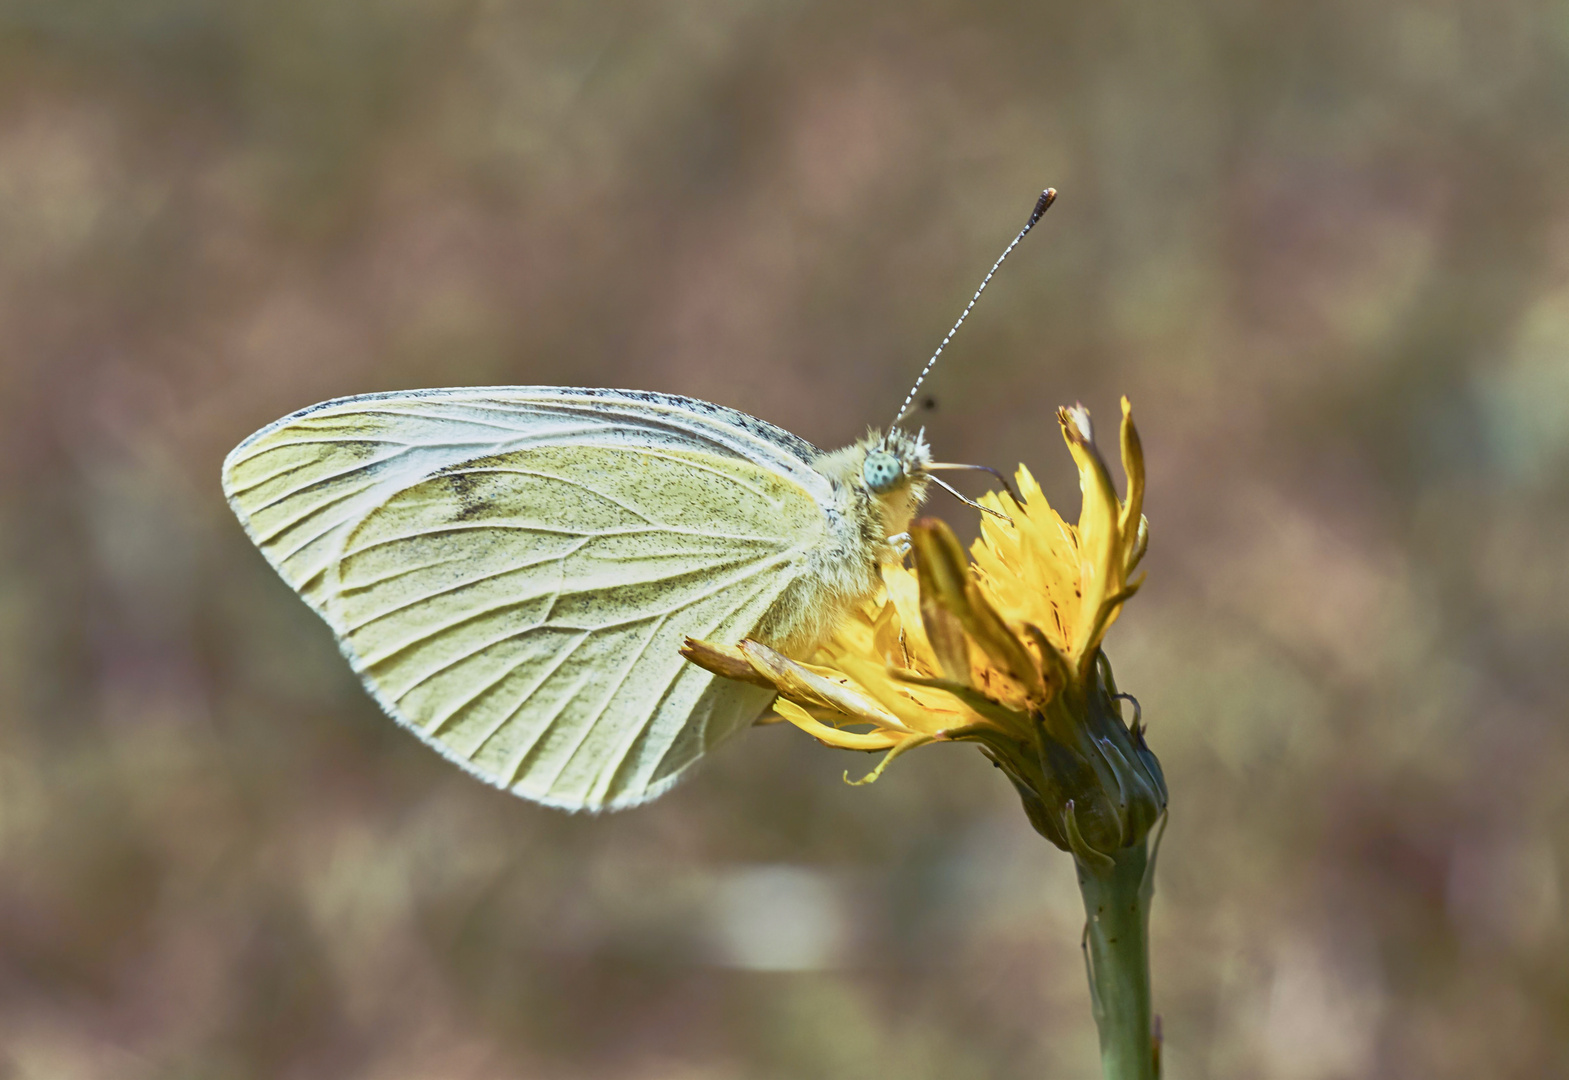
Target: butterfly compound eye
881,471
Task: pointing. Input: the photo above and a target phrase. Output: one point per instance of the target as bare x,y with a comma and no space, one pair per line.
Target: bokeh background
1323,246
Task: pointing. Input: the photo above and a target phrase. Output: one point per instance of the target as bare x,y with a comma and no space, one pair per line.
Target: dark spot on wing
466,489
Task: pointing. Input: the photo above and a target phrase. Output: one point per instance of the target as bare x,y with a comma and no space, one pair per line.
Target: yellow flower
1004,651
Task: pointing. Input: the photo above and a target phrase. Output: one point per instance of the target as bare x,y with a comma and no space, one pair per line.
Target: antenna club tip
1043,204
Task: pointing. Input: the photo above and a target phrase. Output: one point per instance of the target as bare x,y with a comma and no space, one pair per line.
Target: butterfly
512,571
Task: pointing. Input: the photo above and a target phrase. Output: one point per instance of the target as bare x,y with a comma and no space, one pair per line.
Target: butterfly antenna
1042,204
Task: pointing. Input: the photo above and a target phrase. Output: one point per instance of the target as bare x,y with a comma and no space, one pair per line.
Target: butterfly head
881,479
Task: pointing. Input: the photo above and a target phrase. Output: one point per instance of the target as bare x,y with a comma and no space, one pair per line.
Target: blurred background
1324,247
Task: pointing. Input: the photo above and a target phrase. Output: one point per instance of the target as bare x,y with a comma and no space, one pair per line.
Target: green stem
1117,904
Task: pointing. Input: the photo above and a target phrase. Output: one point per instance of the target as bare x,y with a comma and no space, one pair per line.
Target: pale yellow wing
512,571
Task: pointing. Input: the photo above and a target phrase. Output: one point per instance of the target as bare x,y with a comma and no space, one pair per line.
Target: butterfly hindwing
512,571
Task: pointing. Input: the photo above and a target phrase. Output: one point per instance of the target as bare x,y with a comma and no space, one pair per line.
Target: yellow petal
947,587
809,685
845,740
1101,556
942,585
1131,523
905,594
888,637
923,712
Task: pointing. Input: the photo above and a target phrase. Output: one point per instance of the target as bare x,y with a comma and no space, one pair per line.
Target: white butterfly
512,570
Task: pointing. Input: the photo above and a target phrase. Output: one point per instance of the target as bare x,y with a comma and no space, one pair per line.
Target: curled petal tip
1076,425
723,660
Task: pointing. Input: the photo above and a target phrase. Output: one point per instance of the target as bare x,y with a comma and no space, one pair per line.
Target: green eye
881,471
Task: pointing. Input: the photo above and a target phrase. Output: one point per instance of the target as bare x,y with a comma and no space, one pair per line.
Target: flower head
1003,651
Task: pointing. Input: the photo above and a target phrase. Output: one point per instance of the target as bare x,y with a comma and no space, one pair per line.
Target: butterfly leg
900,542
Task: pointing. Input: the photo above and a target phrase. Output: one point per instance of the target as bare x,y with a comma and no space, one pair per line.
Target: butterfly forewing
512,572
